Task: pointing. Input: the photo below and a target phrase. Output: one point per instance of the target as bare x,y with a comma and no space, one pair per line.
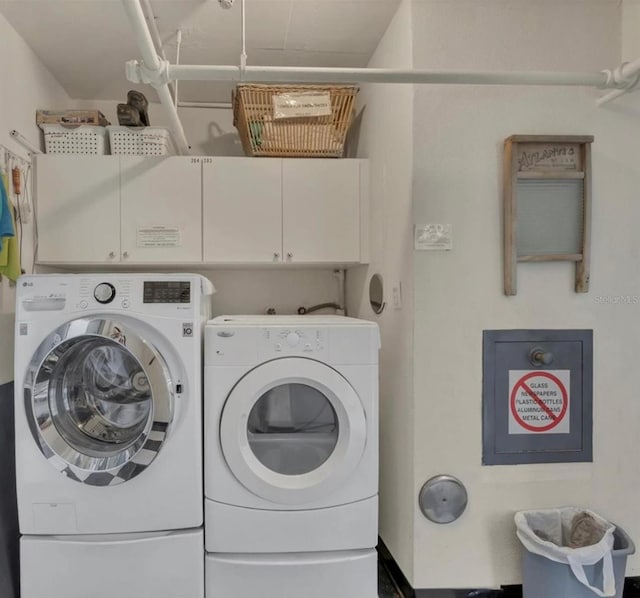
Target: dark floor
386,587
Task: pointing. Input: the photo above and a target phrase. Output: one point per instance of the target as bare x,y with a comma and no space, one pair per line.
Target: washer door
292,430
99,401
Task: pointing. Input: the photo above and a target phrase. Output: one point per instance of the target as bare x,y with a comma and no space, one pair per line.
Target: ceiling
85,43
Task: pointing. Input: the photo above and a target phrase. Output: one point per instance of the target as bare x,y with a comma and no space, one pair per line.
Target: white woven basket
75,139
140,141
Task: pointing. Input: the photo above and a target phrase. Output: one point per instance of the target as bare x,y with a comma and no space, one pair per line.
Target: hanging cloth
7,228
10,250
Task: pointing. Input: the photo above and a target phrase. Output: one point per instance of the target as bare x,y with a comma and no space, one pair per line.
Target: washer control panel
148,294
292,341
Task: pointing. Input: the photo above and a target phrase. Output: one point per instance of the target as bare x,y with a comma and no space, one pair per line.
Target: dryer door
99,401
292,430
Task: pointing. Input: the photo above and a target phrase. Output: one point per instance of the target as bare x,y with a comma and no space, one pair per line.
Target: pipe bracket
138,72
620,81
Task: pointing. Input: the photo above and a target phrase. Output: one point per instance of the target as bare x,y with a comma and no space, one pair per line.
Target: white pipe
153,27
213,105
153,30
24,142
178,45
141,31
243,34
164,93
369,75
612,95
151,61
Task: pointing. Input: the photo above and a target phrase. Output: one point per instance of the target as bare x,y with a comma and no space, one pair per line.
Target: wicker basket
266,131
75,139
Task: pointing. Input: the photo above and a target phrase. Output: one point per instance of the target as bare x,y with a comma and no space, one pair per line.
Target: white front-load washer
108,421
108,402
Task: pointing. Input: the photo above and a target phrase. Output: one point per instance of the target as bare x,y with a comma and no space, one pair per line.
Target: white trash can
551,567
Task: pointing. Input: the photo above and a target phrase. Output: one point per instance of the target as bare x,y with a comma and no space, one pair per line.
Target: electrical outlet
396,295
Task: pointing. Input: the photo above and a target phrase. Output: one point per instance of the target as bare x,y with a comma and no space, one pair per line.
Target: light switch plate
433,237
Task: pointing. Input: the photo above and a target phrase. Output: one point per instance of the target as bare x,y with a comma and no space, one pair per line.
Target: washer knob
292,339
104,292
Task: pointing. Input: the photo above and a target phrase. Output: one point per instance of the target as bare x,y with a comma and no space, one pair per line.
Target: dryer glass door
99,401
292,430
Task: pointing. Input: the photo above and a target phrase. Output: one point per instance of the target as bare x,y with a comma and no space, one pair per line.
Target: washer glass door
99,401
292,430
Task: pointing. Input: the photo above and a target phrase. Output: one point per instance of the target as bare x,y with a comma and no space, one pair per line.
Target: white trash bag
551,533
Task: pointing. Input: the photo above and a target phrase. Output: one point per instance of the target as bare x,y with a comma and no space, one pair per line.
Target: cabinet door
78,209
161,209
321,210
242,210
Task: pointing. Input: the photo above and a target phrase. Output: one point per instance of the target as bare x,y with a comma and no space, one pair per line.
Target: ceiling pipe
178,46
160,73
243,36
370,75
212,105
155,33
152,65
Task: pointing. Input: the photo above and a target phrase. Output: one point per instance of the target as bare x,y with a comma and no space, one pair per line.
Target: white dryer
108,402
291,433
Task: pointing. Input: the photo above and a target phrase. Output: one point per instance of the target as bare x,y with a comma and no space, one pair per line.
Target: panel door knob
112,254
538,356
125,254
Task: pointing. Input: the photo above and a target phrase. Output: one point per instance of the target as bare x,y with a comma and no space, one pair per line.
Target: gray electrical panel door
537,396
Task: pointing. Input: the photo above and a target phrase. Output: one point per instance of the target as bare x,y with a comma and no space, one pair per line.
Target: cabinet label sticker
159,236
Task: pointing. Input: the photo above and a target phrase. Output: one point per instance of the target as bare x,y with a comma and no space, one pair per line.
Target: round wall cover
443,499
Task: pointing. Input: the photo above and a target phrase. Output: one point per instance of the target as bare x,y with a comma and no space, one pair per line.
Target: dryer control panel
292,341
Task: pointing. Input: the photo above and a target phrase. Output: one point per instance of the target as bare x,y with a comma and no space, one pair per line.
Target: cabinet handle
125,254
276,256
112,254
289,256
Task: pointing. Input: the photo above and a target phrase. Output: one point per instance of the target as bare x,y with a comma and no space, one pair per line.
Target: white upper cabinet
242,210
284,210
321,210
194,210
161,210
78,209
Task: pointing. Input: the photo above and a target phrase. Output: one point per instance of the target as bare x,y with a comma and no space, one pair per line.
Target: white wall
285,290
386,139
630,27
458,143
26,86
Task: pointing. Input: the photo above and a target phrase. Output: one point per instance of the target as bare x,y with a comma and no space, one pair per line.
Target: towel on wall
6,222
10,250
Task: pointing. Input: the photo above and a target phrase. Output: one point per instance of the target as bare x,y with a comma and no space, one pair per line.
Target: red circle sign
555,418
